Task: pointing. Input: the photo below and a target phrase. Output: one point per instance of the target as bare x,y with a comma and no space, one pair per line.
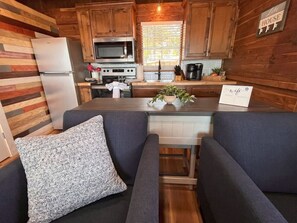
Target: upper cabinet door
222,31
101,20
197,26
84,24
122,21
97,20
112,21
210,29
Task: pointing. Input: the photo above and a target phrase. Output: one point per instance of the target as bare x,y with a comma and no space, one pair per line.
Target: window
161,41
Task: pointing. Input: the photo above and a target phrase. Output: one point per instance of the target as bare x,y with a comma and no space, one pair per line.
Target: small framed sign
236,95
273,19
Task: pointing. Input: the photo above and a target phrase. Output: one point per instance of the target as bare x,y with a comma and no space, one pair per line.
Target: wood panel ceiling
44,5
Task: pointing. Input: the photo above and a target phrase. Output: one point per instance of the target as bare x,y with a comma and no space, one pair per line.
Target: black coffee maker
194,71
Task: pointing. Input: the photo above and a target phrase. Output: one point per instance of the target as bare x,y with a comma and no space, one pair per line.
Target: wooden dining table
178,125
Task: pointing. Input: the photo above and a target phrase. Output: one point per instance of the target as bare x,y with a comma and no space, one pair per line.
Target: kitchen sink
166,77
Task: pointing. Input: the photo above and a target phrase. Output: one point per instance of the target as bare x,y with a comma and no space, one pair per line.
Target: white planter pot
169,99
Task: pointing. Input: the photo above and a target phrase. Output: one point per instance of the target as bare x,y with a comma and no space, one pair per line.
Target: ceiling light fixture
159,6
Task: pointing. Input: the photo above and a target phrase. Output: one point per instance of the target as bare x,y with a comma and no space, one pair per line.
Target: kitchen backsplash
207,65
167,75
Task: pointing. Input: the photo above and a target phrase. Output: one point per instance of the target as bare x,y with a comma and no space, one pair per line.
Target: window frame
168,67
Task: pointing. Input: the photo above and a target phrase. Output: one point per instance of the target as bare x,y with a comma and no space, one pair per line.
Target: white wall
207,65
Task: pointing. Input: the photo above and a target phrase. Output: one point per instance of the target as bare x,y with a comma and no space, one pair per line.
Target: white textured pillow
67,171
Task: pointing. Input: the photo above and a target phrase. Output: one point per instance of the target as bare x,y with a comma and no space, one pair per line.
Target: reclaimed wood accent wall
18,14
269,63
148,13
21,91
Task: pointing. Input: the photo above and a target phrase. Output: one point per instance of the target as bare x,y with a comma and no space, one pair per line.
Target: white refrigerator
61,66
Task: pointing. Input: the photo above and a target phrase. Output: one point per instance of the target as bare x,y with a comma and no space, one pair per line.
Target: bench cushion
286,204
113,208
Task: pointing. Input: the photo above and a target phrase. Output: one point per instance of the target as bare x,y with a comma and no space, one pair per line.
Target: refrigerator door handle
61,73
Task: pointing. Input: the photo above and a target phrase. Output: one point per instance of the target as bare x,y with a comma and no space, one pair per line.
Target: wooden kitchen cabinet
197,88
222,30
197,26
115,21
206,91
97,20
145,92
101,22
210,29
85,92
84,24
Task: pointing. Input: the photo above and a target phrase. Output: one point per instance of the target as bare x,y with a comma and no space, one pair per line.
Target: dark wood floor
178,203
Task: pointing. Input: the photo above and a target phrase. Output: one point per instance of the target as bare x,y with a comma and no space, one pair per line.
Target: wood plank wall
45,5
13,12
21,91
68,24
268,63
66,19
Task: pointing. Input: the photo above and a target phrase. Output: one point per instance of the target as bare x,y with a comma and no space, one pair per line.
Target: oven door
100,91
105,93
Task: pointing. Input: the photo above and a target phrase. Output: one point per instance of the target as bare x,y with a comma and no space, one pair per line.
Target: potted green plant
216,71
170,92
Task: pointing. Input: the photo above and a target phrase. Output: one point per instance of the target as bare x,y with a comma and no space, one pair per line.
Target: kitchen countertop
177,83
200,107
182,83
84,84
149,84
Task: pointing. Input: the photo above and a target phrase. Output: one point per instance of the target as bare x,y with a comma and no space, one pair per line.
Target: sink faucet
159,70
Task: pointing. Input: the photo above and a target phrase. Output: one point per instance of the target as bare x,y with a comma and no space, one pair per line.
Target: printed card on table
236,95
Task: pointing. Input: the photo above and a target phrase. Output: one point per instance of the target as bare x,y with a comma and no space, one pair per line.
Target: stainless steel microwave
118,49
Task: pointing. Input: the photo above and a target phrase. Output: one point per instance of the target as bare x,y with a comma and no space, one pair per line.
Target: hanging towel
115,87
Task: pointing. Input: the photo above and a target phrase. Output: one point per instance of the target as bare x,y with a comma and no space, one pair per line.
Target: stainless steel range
125,73
120,74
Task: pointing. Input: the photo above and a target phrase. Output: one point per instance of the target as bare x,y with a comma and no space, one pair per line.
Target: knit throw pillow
67,171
